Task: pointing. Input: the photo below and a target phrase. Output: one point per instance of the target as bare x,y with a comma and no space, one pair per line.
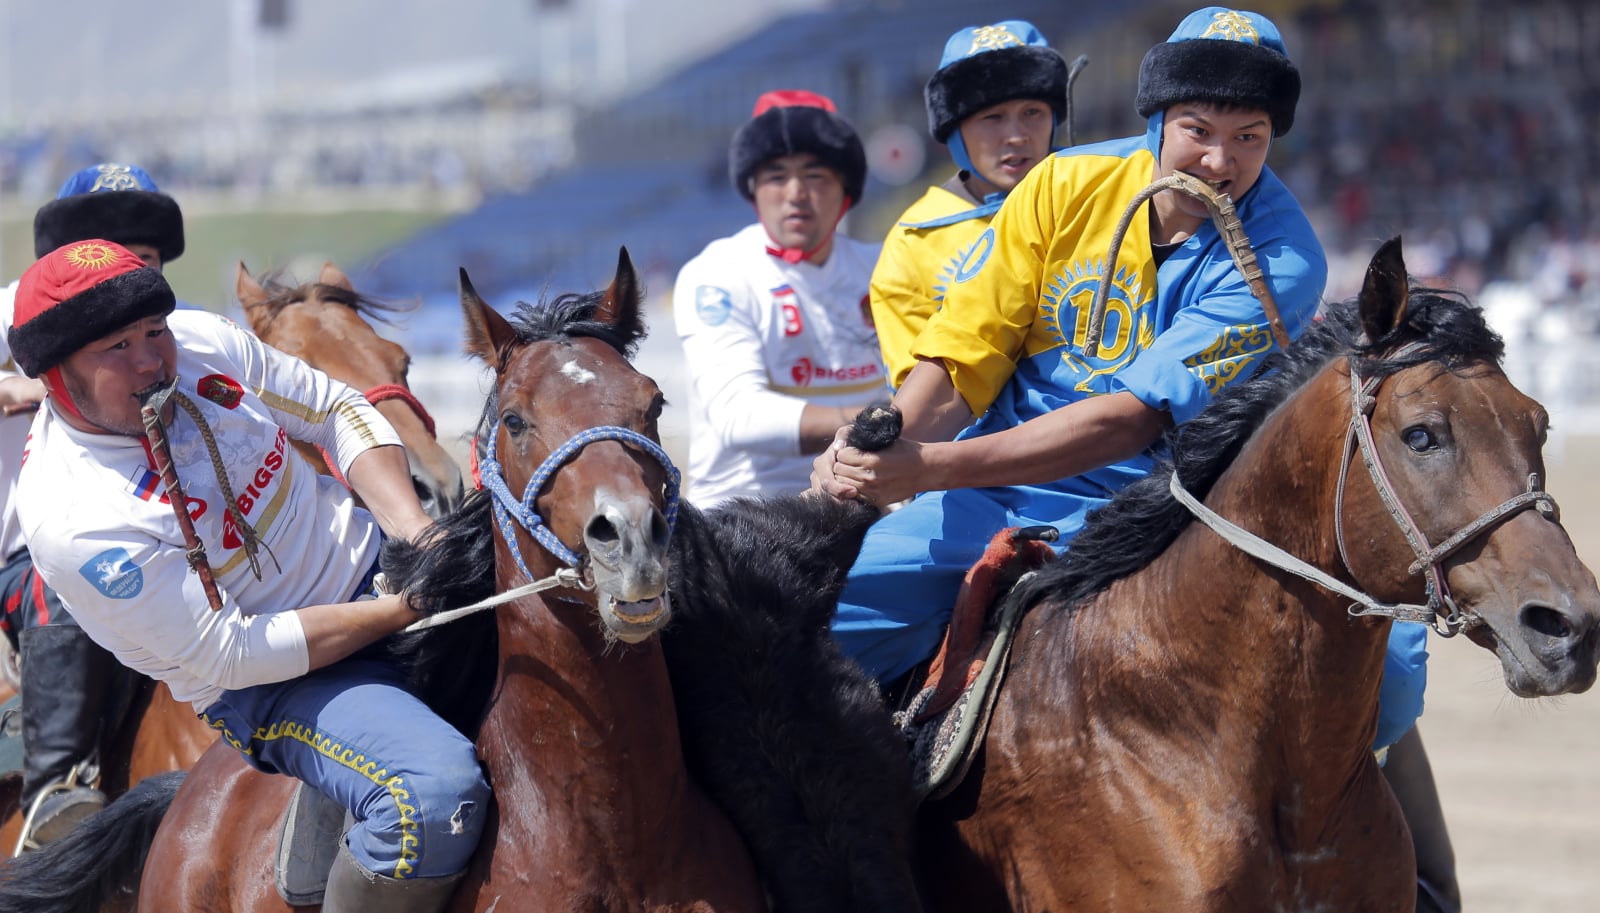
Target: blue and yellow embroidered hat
984,65
1224,56
115,202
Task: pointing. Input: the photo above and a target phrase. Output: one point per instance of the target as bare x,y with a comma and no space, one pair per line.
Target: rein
1228,226
1440,611
507,507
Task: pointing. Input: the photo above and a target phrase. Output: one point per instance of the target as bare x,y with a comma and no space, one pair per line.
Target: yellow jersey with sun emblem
1015,319
919,260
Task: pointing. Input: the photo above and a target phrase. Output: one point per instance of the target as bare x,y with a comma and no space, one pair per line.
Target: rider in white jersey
130,587
275,658
775,321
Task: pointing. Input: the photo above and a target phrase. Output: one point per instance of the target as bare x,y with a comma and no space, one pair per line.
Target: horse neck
1228,646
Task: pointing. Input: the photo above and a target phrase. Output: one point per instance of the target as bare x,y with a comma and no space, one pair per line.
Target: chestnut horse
1185,727
325,323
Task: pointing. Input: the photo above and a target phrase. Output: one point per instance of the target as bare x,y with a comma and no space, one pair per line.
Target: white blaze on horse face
577,373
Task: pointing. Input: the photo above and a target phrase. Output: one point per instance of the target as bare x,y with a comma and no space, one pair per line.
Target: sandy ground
1520,780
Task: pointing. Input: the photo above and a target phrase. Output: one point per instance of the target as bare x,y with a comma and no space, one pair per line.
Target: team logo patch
712,305
114,574
220,389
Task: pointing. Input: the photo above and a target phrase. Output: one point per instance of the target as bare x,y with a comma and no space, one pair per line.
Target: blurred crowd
1465,125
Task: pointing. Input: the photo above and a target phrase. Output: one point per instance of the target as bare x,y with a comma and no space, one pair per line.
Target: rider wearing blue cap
1058,432
67,680
996,100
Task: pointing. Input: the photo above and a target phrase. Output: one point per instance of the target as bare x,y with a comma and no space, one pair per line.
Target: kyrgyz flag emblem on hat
90,255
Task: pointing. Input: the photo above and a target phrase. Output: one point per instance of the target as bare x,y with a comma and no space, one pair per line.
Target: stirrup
83,779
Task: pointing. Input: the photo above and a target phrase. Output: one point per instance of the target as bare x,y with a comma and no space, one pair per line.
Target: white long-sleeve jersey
13,436
763,338
104,536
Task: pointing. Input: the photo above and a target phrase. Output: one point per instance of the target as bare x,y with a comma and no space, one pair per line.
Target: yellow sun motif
993,37
91,256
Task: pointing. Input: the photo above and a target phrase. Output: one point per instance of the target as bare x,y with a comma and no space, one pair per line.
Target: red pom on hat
792,98
76,294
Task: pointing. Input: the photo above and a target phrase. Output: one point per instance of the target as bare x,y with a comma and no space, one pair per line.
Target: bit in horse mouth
643,612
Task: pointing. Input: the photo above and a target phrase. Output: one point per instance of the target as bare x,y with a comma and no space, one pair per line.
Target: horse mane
281,293
573,315
1143,519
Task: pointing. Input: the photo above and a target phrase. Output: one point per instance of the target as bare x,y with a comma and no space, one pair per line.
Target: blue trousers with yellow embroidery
900,592
353,731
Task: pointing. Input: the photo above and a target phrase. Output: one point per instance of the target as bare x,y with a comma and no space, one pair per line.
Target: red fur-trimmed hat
78,293
794,121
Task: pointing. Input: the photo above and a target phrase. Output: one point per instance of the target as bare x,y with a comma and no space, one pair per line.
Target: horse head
572,452
325,324
1452,506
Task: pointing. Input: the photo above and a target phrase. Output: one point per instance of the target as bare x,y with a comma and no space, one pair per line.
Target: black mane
1143,519
573,315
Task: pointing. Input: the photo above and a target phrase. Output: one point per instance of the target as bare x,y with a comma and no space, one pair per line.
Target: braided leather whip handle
1228,225
150,413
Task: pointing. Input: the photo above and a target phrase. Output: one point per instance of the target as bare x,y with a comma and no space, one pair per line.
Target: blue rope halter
508,508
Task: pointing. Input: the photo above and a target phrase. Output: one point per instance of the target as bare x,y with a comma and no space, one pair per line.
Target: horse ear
252,297
620,305
333,275
488,334
1384,292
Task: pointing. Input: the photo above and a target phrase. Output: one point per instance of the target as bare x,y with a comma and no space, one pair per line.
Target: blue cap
984,65
107,176
1224,56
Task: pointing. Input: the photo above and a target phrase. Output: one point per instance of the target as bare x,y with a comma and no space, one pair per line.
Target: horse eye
513,423
1418,438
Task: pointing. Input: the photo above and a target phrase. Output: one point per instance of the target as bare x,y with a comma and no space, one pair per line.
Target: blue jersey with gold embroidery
1015,320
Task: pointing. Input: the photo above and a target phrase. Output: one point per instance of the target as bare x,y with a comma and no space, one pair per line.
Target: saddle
947,714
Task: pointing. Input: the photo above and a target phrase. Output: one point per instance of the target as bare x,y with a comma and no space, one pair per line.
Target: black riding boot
1411,777
65,681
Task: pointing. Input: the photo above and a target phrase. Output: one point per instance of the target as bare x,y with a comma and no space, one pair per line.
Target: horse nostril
600,531
424,493
1547,621
660,533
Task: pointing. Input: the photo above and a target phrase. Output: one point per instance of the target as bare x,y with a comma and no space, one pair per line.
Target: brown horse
325,323
1185,727
594,809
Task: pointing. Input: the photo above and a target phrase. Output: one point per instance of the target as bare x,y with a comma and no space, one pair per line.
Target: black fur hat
1223,56
986,65
115,202
791,121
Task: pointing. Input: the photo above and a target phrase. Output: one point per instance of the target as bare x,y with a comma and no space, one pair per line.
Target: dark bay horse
327,324
1184,727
